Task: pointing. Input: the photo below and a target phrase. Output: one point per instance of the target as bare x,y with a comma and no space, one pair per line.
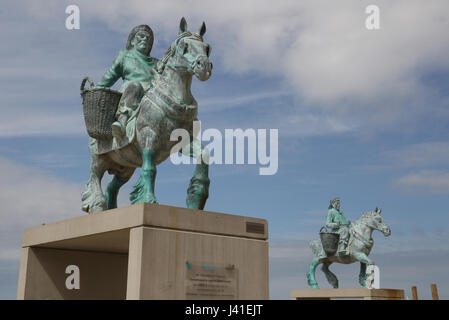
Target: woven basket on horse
329,241
99,108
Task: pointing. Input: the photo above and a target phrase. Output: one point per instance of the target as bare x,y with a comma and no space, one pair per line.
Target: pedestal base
363,293
147,251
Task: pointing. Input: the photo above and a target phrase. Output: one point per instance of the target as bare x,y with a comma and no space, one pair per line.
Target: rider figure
134,65
338,223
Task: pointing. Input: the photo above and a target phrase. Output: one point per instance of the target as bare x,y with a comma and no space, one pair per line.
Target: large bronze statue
146,119
355,246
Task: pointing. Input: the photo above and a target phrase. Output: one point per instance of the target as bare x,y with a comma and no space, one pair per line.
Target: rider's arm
330,221
114,73
344,221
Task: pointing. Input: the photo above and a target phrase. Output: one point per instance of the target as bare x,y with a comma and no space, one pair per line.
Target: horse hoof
147,199
197,194
98,206
196,202
152,200
96,209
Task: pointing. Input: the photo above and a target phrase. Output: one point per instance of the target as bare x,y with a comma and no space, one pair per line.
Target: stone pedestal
347,293
147,251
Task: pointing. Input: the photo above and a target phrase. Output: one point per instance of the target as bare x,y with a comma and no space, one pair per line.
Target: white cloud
346,77
336,57
419,155
29,198
321,50
313,125
322,47
37,123
427,181
222,103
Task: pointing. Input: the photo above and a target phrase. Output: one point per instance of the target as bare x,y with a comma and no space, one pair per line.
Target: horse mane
171,50
366,215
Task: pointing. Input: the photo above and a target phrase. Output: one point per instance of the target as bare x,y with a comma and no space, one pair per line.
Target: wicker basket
329,240
99,108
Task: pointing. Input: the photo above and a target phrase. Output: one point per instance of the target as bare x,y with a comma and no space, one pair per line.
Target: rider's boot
119,126
342,248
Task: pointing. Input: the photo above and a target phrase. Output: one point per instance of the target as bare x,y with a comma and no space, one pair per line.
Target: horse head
375,221
189,53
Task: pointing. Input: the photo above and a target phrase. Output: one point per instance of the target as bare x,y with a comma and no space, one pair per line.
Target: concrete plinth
147,251
347,293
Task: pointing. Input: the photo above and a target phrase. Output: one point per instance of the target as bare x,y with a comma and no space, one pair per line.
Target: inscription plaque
210,281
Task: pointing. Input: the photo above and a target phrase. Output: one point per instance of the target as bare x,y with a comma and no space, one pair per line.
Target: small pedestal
147,251
363,293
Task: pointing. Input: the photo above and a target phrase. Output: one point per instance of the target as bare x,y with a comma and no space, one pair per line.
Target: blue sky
361,114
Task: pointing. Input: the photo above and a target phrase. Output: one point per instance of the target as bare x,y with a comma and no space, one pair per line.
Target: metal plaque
255,227
210,281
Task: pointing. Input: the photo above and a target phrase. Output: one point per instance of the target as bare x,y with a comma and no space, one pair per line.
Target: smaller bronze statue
348,242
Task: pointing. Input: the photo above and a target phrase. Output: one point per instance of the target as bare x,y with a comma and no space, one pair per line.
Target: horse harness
354,234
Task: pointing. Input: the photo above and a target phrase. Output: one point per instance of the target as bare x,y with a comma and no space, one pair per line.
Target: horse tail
317,247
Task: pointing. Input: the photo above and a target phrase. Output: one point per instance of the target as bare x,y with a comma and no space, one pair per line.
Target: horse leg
331,278
362,274
360,256
93,200
198,190
364,262
114,186
143,190
311,274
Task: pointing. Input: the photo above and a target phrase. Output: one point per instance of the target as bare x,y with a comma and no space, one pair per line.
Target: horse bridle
191,64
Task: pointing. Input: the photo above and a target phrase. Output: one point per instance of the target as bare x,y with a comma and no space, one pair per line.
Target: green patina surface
130,65
143,190
133,63
355,244
335,219
157,95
